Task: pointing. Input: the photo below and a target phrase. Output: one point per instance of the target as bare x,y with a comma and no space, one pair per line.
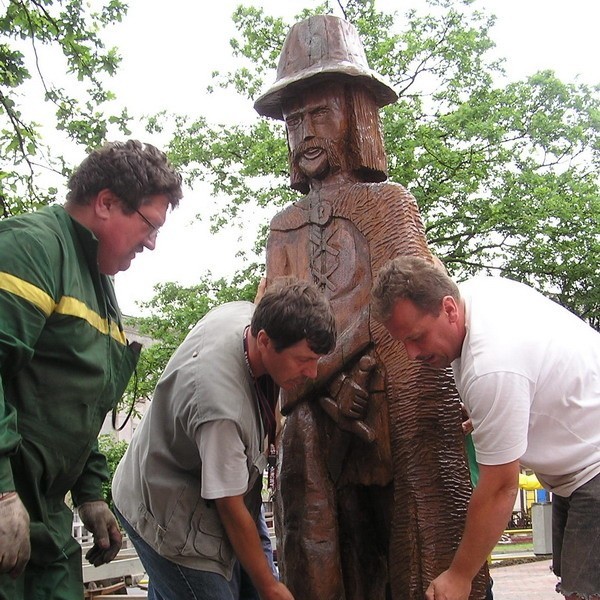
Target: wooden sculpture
373,484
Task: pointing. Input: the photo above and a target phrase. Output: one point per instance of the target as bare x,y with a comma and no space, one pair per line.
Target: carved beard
334,151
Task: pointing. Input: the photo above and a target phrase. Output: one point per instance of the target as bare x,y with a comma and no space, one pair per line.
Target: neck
81,213
333,180
461,325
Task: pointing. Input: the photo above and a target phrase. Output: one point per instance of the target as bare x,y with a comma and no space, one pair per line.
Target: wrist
7,494
91,502
267,587
464,569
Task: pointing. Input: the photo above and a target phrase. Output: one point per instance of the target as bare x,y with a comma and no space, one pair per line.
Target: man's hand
98,520
260,291
467,423
15,547
449,586
243,535
277,591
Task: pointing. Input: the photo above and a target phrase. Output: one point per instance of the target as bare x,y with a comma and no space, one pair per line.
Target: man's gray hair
412,278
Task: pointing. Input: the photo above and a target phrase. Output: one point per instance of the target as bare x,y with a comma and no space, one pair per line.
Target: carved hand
351,396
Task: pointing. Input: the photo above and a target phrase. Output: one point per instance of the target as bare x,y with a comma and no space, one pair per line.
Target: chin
125,265
435,362
288,386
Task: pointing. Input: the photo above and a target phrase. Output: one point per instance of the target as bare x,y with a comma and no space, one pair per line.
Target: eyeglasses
153,228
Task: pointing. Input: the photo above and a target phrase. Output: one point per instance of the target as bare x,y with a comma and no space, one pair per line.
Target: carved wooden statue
373,483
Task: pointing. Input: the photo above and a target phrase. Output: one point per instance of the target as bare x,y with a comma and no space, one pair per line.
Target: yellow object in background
529,482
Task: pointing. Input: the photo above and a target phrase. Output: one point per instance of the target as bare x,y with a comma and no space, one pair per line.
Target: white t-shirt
224,462
529,375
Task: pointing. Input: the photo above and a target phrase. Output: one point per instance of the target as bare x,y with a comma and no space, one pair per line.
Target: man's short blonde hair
412,278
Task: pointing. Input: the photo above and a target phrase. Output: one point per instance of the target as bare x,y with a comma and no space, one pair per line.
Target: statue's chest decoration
324,256
328,247
324,252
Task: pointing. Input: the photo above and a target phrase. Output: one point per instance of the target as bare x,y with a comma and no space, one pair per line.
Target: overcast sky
170,49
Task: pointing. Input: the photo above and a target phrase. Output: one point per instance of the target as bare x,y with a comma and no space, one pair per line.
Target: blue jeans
170,581
265,540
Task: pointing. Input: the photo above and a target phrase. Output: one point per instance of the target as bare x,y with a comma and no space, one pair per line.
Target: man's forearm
486,520
88,486
488,513
245,540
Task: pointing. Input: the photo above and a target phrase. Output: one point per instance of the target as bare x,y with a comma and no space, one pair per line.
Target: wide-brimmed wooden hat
322,47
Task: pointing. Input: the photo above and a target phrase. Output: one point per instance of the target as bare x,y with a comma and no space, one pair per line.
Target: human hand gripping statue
14,534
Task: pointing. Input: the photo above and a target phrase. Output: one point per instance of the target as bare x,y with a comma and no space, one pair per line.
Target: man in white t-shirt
528,372
188,489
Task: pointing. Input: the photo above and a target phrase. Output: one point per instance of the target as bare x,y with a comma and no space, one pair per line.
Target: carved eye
292,122
321,112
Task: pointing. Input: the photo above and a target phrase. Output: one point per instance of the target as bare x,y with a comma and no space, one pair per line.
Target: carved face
317,126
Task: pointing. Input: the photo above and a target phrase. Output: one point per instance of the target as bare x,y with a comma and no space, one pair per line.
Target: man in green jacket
65,362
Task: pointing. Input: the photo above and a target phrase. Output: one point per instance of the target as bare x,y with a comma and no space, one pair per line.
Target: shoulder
234,314
44,224
216,342
291,217
506,290
387,191
40,238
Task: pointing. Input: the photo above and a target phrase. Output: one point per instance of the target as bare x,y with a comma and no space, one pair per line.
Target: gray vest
157,484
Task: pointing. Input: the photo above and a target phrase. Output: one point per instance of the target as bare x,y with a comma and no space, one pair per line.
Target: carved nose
308,131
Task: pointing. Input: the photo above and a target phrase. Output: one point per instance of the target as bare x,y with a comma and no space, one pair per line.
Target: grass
512,548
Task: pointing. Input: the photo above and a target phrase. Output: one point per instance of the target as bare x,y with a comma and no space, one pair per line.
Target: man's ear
450,308
104,202
262,339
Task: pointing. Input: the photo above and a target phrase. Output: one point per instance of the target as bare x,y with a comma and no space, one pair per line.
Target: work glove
99,520
15,547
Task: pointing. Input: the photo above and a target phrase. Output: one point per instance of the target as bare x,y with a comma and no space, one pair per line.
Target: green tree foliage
37,39
113,450
505,172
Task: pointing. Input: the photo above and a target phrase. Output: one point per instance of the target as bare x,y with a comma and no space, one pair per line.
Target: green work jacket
64,364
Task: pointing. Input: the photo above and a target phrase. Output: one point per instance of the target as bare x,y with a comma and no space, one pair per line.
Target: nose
412,350
150,240
307,129
310,370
